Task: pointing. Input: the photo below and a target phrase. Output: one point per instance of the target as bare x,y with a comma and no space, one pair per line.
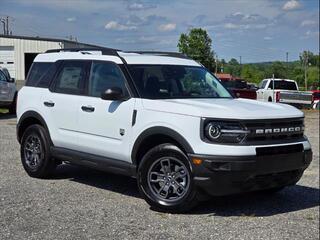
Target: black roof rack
104,51
159,53
114,52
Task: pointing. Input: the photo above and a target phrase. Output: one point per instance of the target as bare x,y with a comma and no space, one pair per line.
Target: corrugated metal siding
22,46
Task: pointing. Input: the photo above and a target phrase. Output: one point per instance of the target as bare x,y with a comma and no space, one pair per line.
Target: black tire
269,99
271,191
13,106
36,138
185,200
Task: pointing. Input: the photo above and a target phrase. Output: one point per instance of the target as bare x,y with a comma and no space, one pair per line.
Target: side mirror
114,93
11,80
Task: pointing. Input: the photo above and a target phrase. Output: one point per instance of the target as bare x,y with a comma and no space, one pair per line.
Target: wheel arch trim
159,131
31,114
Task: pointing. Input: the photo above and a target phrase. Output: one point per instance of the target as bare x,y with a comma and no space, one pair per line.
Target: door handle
87,108
48,103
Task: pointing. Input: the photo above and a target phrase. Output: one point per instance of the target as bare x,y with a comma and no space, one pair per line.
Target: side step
94,161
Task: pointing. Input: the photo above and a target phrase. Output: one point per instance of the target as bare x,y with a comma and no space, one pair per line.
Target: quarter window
37,72
105,75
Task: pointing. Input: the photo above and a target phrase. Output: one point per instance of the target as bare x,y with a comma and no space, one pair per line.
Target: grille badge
279,130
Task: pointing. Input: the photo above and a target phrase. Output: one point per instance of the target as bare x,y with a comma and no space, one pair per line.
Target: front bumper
271,167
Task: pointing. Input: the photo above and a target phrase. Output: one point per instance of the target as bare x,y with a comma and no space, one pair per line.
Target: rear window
40,74
284,85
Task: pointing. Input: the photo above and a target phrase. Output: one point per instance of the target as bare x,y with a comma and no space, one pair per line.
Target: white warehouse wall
22,46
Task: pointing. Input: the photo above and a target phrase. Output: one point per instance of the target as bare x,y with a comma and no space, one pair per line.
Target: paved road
86,204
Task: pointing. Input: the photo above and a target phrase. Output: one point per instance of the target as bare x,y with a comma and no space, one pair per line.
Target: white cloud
231,26
71,19
291,5
167,27
267,38
113,25
140,6
308,23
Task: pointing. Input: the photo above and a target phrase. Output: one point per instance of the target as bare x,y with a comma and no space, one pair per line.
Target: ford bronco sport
160,117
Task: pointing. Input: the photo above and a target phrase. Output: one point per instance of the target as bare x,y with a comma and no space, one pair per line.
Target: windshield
172,81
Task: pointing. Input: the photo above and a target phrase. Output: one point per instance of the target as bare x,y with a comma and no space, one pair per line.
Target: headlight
224,132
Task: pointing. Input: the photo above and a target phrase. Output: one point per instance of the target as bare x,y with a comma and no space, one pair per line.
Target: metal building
18,52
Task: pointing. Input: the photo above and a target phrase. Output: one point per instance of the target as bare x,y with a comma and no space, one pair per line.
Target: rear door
105,125
61,102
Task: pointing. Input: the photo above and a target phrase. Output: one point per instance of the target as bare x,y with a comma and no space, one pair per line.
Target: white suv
160,117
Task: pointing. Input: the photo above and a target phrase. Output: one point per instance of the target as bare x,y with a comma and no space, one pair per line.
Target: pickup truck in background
284,91
239,88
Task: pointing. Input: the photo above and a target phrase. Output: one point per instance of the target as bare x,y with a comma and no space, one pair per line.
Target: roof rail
159,53
104,51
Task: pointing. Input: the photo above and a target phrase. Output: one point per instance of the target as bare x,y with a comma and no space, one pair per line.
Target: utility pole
305,60
4,25
305,71
216,63
287,60
240,59
7,22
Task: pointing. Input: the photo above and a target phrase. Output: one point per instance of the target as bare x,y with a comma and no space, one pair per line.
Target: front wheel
165,179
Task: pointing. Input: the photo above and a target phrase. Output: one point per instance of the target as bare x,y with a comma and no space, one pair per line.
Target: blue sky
257,30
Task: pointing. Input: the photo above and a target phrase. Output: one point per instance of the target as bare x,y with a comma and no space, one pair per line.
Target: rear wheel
35,152
165,179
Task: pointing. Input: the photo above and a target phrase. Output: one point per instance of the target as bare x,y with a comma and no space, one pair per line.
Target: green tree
197,45
251,73
279,70
233,61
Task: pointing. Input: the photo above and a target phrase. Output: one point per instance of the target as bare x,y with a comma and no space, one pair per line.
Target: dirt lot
85,204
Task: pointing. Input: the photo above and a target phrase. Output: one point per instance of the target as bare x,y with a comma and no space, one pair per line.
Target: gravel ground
85,204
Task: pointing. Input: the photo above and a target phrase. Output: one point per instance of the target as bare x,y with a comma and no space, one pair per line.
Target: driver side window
104,75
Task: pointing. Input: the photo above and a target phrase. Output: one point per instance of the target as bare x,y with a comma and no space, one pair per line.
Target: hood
223,108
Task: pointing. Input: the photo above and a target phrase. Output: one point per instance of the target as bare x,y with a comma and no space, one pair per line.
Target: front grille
295,148
274,130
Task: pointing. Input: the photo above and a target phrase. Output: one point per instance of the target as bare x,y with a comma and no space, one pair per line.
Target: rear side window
40,74
71,78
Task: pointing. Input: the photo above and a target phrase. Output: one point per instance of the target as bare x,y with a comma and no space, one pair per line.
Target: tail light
277,96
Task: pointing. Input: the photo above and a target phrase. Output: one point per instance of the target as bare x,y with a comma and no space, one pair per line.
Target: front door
105,125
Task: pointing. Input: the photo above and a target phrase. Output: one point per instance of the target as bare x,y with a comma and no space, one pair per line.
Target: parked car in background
237,86
8,91
283,91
